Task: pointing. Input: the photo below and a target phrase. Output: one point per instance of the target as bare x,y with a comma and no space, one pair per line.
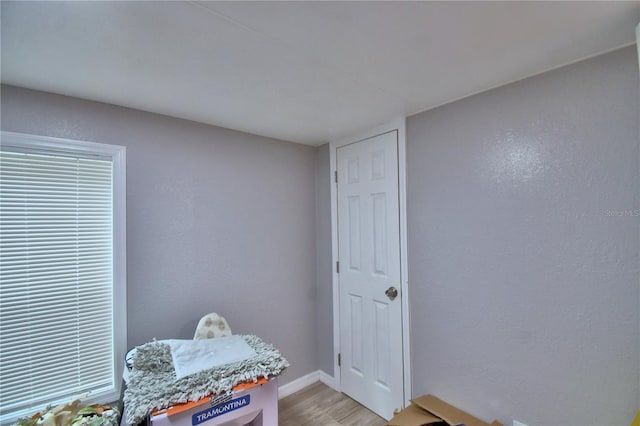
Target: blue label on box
220,409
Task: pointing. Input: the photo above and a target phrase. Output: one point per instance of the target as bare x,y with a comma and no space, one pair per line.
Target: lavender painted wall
524,247
217,221
324,270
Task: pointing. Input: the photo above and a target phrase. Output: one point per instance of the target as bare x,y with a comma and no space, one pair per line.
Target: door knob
391,293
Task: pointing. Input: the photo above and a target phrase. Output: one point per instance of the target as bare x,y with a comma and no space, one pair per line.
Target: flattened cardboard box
430,410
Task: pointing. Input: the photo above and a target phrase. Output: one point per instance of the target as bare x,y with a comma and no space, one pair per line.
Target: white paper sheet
192,356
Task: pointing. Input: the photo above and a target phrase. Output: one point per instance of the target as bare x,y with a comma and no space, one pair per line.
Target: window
62,272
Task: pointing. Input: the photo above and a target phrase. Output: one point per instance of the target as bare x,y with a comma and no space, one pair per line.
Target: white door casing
369,252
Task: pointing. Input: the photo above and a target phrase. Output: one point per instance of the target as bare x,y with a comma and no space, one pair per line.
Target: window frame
117,153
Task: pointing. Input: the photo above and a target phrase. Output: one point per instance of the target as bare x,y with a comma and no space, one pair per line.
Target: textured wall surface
217,221
523,217
324,269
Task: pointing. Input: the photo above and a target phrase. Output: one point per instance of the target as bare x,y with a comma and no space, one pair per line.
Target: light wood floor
319,405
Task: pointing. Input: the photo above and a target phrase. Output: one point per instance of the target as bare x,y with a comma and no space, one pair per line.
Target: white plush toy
212,325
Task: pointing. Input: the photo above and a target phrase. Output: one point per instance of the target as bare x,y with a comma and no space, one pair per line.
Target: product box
250,404
429,410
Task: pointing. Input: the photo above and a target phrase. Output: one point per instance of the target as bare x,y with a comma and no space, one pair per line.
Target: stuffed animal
212,325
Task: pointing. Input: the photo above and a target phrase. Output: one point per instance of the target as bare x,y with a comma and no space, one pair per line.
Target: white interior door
369,273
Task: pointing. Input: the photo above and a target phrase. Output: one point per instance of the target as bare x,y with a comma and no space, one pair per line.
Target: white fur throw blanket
153,385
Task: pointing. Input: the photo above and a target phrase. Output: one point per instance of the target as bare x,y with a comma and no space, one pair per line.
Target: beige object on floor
212,325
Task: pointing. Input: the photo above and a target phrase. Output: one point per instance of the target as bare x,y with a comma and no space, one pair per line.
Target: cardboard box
252,404
430,410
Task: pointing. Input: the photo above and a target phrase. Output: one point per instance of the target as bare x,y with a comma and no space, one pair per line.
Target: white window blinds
56,278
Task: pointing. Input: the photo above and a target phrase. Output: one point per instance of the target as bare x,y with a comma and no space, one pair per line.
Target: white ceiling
306,72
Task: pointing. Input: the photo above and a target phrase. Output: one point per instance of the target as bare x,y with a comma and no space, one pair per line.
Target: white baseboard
307,380
298,384
327,380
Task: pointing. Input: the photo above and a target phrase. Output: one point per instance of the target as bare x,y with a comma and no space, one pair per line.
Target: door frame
398,125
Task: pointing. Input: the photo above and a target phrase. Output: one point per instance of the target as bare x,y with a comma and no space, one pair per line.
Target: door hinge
338,267
339,360
335,175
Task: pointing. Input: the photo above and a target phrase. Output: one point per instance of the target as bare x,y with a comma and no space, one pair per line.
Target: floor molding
327,380
298,384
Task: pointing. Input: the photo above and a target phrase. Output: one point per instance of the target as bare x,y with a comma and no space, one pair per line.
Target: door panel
369,256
